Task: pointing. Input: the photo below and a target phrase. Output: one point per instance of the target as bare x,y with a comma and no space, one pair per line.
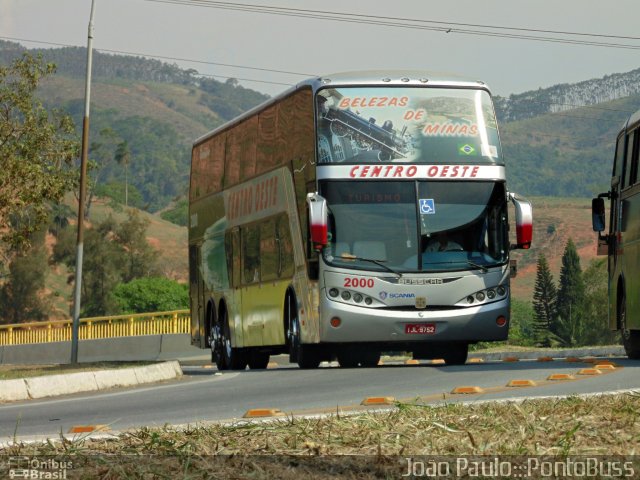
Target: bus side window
619,158
268,250
232,251
630,165
250,254
633,162
285,247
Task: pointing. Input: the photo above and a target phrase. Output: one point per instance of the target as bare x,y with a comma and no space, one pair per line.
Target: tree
138,257
114,253
21,297
595,324
544,303
152,294
571,296
122,156
37,150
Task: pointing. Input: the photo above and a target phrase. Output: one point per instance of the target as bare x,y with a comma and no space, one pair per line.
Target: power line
163,57
445,27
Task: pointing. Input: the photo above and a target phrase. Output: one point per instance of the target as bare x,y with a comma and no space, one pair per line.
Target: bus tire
358,357
456,354
233,358
630,338
258,360
306,356
215,342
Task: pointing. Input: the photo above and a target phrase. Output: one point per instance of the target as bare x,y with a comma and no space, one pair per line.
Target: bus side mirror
317,220
597,214
524,221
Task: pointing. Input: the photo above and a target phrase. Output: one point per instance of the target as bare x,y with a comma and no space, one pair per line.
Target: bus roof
397,78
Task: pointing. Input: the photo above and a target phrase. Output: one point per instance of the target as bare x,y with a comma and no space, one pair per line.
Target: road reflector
378,401
89,428
263,412
545,359
438,361
607,362
475,360
589,360
510,359
604,366
561,376
589,371
412,361
207,366
521,383
572,360
467,390
272,365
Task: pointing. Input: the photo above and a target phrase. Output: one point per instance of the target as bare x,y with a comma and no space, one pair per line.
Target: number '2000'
358,282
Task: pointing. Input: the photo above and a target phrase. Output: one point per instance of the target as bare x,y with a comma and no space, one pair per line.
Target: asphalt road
204,394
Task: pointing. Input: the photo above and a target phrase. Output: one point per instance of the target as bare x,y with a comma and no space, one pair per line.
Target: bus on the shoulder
622,243
352,215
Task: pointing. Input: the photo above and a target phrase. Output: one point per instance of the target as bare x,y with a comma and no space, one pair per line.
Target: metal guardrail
157,323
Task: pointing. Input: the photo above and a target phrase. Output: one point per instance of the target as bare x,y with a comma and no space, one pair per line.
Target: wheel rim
626,333
215,340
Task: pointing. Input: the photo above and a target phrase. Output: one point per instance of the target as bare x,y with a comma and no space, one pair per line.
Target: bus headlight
346,295
483,296
334,292
357,298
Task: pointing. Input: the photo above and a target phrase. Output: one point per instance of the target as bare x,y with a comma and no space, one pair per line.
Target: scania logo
402,295
420,281
383,295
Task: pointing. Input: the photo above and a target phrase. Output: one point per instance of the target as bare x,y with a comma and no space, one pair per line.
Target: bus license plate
420,328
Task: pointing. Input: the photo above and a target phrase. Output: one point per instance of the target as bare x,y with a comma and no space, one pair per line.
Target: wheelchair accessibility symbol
427,206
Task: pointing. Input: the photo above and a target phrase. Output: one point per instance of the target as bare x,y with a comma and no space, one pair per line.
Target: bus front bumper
361,324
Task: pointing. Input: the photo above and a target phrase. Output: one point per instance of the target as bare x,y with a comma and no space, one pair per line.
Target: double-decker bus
353,214
622,243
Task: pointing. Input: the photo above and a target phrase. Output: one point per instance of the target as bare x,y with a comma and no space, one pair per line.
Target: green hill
565,154
156,108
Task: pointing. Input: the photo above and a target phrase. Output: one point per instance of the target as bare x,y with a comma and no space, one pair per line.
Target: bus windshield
411,124
416,226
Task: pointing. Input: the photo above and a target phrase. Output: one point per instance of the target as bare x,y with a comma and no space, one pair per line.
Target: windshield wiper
475,265
348,256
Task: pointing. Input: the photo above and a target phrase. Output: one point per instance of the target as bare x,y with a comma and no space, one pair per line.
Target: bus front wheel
306,356
630,338
456,354
358,357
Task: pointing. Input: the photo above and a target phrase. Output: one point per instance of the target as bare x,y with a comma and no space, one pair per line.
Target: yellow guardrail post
49,332
10,330
174,323
131,329
89,330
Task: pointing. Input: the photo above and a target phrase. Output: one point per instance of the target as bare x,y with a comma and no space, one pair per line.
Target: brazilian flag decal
466,149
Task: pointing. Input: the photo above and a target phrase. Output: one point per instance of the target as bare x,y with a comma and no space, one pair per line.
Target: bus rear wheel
232,358
630,338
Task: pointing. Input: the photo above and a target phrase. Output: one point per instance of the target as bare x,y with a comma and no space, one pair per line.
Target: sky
195,32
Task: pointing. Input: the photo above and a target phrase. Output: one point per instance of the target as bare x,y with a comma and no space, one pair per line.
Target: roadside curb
64,384
565,353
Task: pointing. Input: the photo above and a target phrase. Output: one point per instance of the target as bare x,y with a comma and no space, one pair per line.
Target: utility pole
83,193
